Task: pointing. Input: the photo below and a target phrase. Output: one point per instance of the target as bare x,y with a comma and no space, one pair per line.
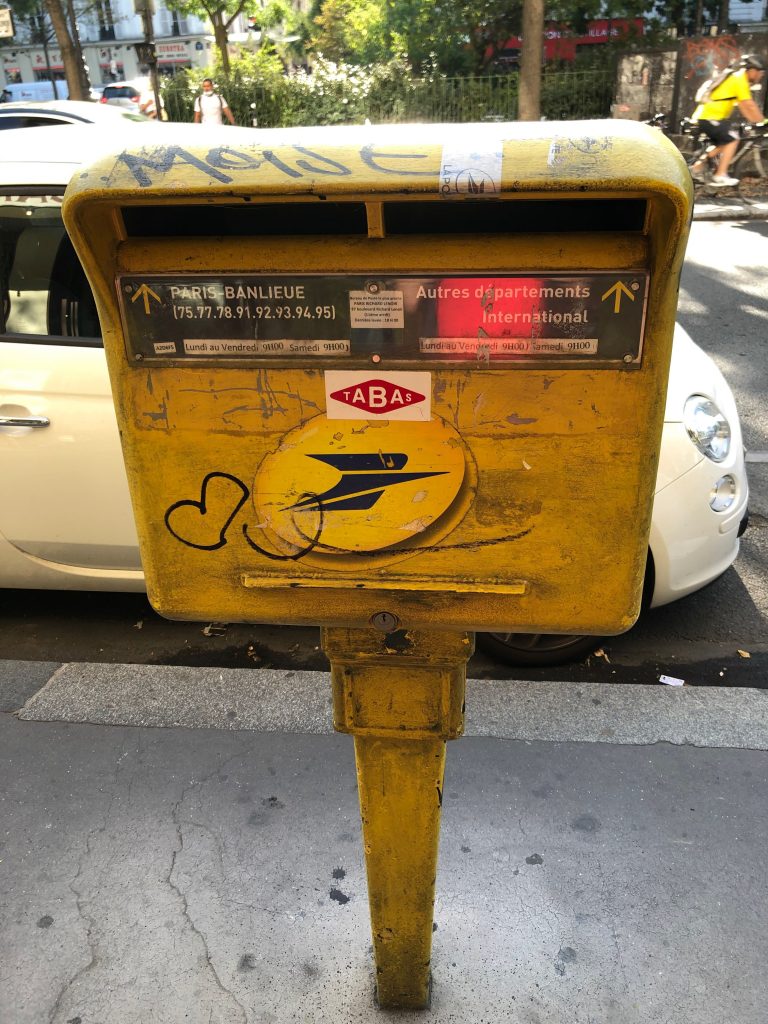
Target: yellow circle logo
344,488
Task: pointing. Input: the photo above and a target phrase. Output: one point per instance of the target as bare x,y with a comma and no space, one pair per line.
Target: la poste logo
352,395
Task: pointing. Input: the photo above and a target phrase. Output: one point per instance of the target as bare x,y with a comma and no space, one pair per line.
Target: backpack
704,92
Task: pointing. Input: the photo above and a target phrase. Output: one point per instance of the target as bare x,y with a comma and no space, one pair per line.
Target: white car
65,513
53,113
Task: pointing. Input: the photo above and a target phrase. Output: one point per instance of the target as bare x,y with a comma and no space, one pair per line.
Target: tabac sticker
357,395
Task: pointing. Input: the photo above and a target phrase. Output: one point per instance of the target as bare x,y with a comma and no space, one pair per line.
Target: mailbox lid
473,160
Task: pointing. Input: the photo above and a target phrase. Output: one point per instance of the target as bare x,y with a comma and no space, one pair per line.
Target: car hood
29,155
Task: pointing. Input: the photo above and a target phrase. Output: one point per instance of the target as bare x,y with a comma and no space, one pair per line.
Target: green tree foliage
353,30
220,13
454,36
459,37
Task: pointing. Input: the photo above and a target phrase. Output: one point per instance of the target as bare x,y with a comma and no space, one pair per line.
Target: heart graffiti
203,524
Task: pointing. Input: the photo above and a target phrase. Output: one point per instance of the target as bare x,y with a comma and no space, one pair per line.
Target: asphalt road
723,304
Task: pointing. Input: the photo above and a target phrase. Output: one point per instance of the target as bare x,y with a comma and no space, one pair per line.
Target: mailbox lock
385,621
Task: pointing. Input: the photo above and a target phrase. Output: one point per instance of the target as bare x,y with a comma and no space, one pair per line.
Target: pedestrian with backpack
210,107
717,99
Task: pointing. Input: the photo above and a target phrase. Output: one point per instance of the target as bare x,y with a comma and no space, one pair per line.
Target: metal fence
566,95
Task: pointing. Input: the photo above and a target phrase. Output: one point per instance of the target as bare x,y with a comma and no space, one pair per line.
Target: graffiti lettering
163,159
372,158
221,162
270,157
335,167
231,160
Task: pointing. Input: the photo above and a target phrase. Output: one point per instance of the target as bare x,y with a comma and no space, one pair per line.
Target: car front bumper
692,544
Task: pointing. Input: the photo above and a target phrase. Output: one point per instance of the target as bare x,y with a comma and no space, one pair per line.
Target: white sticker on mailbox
471,165
376,309
374,394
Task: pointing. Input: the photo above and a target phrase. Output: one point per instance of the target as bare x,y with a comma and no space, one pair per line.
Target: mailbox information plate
502,319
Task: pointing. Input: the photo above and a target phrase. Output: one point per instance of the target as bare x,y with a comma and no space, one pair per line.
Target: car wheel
553,648
537,648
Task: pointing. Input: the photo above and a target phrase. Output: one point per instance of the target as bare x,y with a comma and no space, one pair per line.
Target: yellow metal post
401,695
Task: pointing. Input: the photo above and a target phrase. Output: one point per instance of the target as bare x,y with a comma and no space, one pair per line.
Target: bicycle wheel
748,162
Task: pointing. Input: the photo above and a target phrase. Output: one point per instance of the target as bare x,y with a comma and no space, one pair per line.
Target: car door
65,512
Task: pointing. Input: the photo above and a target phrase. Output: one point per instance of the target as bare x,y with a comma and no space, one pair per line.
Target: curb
271,700
734,211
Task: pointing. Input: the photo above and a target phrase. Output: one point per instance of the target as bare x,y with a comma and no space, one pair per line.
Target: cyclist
714,111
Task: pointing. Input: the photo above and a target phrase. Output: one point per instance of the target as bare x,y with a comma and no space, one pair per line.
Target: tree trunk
529,104
64,42
221,38
84,82
722,18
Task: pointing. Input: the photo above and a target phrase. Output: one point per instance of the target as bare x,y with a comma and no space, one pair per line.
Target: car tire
533,649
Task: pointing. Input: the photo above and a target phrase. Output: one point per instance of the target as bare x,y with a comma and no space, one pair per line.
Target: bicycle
747,161
658,120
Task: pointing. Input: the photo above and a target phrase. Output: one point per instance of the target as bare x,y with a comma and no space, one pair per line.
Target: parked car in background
65,513
24,92
62,112
121,94
136,96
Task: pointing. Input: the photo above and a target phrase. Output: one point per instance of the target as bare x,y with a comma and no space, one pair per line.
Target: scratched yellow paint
540,520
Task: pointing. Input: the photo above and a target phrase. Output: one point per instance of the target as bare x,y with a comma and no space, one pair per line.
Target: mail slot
408,370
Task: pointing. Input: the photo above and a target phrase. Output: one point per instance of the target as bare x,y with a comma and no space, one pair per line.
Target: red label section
378,396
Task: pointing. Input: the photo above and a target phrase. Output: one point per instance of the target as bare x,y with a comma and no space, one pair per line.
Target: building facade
108,31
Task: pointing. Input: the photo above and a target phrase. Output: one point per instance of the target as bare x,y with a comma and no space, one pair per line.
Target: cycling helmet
751,60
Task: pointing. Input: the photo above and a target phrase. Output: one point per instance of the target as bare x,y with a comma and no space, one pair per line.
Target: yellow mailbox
403,382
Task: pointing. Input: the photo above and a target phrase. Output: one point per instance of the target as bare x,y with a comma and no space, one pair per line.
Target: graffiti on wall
706,56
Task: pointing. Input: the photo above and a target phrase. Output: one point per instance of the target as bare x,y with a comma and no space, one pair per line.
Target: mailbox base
401,695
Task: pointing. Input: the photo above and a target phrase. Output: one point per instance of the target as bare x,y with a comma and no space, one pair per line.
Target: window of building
106,21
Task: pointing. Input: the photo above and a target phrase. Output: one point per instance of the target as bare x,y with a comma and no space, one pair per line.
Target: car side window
30,121
44,294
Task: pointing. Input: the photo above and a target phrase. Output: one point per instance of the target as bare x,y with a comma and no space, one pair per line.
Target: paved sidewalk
212,872
730,207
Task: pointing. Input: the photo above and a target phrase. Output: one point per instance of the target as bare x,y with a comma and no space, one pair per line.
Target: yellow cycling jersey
724,98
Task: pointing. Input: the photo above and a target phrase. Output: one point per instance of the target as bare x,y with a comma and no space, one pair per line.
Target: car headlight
707,427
